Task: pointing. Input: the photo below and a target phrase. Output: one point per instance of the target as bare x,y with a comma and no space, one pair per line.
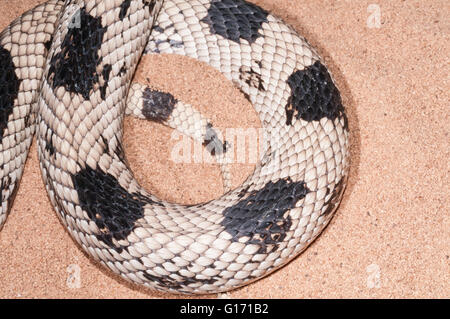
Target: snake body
66,70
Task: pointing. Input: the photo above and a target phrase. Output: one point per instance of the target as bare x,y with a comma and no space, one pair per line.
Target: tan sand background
390,237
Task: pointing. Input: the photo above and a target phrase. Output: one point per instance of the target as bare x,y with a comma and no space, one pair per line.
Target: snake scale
65,75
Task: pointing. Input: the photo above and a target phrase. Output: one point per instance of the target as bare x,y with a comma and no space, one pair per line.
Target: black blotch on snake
212,142
105,73
335,197
175,284
105,144
236,20
314,95
261,214
48,44
9,88
252,77
125,5
49,146
157,105
118,151
75,66
123,69
113,209
5,183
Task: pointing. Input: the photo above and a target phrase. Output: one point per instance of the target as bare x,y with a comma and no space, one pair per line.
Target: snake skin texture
66,70
149,104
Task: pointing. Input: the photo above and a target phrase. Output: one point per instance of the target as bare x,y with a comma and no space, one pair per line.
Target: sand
390,236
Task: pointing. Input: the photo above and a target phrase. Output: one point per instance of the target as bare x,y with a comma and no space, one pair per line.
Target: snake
66,77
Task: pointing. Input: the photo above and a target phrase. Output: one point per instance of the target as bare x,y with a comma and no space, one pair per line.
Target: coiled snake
66,69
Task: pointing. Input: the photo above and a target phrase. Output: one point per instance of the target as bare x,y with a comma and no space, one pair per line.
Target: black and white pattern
69,79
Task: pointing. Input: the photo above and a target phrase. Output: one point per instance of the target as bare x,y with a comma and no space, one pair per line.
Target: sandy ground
390,237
